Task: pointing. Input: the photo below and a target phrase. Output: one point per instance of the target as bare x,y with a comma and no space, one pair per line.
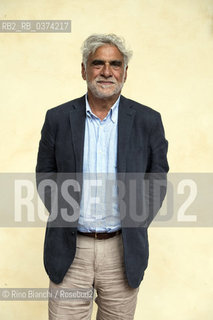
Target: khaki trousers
97,264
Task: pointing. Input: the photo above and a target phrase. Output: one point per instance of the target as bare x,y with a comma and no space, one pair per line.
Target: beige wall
171,71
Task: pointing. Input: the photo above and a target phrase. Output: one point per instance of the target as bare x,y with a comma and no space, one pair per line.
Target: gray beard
92,86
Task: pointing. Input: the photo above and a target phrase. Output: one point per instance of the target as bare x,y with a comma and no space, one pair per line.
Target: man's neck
101,106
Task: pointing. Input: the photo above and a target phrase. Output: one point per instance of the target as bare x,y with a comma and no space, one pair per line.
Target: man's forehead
106,52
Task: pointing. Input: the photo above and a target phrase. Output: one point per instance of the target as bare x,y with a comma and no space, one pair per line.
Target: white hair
93,42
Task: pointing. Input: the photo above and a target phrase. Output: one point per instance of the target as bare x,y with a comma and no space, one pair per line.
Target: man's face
105,73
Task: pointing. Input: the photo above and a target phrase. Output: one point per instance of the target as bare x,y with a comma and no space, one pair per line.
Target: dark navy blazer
142,152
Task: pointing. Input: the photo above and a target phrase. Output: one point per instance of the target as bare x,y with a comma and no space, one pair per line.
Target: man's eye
97,63
116,63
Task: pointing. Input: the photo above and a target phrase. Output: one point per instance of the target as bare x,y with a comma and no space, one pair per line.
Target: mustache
112,80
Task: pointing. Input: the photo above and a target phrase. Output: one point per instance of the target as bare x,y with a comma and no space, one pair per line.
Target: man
104,247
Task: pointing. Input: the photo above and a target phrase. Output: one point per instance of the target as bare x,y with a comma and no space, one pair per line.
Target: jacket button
73,233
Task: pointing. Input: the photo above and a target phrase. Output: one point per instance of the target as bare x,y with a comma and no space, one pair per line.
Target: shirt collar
113,111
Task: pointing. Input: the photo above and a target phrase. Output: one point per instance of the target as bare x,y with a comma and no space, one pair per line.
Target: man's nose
106,70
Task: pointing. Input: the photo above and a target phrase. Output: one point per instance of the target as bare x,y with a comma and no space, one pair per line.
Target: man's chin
104,93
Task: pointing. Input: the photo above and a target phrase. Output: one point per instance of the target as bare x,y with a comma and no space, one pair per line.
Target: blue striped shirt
99,203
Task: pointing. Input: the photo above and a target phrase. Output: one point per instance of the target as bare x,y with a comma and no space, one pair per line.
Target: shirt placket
101,173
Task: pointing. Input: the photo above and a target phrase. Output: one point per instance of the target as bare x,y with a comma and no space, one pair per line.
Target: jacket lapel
125,121
77,121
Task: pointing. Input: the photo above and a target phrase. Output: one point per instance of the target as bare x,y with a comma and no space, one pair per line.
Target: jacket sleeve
46,153
46,167
156,175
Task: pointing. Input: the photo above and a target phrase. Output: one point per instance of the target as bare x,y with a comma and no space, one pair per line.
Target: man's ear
83,71
125,73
